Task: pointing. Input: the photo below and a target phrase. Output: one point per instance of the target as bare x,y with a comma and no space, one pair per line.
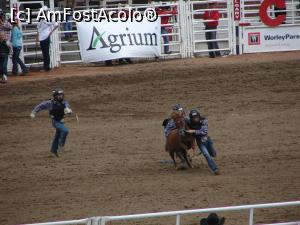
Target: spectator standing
165,13
68,28
5,26
5,30
17,43
45,29
4,52
211,20
68,25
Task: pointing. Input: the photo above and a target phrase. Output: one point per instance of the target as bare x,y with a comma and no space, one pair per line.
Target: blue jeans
166,39
16,60
210,147
60,135
3,64
207,152
68,27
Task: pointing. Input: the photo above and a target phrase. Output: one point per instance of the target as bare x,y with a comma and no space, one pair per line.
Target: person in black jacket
199,127
58,108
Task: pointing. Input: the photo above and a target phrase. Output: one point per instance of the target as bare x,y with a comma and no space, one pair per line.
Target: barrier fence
178,214
185,32
174,34
224,30
236,34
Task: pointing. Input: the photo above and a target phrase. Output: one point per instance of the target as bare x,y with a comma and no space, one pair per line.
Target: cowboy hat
212,219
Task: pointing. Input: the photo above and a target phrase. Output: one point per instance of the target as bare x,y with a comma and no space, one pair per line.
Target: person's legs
45,44
47,59
121,61
60,136
128,60
69,27
215,43
44,52
211,163
210,147
124,61
16,53
208,37
54,146
19,61
4,61
4,68
63,132
1,65
1,68
65,25
166,40
108,63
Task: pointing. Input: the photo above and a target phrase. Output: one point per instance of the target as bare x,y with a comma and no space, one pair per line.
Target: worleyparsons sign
107,41
271,39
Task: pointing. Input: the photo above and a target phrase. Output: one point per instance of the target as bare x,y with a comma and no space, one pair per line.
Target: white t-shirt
45,28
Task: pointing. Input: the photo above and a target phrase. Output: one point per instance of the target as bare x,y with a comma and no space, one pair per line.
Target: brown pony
179,141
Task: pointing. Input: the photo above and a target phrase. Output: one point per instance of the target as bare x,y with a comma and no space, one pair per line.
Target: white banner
104,40
270,39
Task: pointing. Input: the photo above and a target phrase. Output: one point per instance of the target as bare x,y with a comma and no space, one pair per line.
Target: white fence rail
224,30
185,33
185,30
291,223
174,34
178,214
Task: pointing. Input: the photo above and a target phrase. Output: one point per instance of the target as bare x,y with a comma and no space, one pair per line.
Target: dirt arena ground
112,163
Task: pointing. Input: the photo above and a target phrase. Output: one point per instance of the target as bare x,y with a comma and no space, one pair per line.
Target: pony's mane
176,114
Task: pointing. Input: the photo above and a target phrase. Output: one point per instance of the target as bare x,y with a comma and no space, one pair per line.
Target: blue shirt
16,37
169,127
201,128
47,105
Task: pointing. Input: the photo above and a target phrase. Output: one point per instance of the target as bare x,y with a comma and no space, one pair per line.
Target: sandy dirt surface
112,162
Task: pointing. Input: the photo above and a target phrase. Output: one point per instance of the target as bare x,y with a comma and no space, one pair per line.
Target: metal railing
185,33
70,52
102,220
223,31
186,30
